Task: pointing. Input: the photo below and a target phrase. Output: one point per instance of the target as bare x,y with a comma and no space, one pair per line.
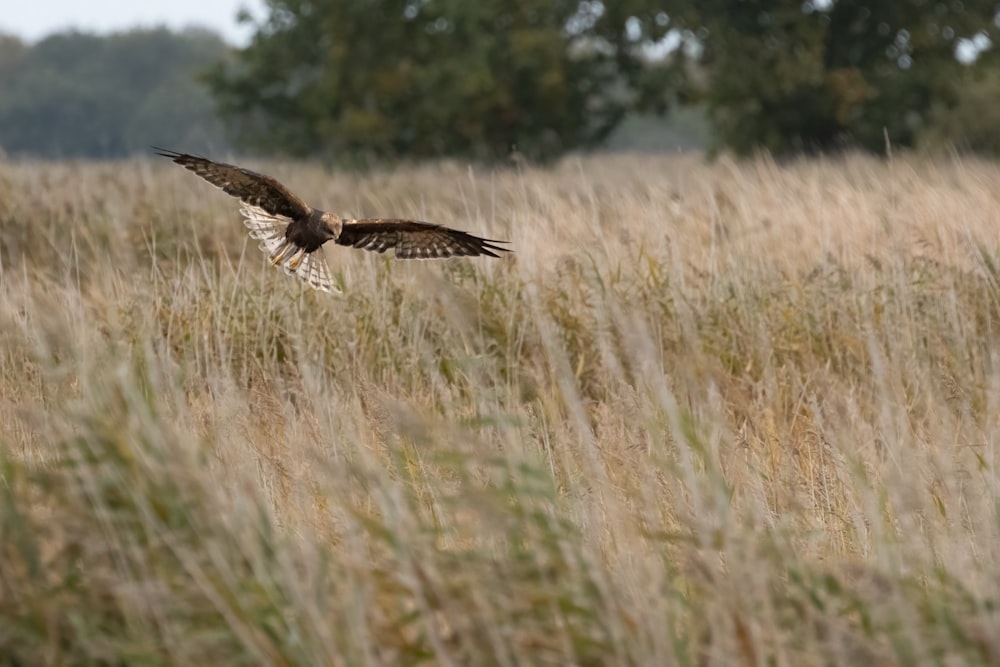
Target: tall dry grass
741,413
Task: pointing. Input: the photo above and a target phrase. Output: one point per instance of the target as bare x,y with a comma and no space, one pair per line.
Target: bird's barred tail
307,266
295,261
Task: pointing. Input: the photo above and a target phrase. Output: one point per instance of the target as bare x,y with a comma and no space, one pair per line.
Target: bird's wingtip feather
167,153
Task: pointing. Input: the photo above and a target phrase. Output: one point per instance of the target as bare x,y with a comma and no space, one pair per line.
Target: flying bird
291,232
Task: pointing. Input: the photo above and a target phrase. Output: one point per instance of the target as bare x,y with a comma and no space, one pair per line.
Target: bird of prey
291,232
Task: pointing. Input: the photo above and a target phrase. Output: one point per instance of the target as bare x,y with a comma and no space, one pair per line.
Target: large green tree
820,74
426,78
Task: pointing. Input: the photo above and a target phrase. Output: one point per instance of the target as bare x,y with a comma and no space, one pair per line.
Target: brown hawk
291,232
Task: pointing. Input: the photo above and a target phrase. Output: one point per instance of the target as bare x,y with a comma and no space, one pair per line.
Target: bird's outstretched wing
414,240
251,188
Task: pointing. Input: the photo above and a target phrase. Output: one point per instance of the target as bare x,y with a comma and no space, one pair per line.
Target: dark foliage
364,79
815,76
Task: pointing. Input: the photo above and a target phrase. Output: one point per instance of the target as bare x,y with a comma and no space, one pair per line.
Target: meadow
727,413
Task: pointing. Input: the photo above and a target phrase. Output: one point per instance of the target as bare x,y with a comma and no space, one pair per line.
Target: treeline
368,80
76,94
429,77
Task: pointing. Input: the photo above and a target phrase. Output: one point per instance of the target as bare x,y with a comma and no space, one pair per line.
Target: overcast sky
32,19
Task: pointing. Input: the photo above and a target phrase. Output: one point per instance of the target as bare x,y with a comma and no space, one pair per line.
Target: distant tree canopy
822,74
353,80
425,78
76,94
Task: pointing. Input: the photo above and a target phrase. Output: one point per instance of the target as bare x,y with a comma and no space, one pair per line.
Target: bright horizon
34,21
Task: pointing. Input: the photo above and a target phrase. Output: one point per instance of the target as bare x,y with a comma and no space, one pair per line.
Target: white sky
32,19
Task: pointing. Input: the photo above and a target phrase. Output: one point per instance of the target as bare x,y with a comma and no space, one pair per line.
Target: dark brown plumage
291,232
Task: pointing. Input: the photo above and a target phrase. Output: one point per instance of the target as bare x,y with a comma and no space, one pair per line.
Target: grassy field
706,414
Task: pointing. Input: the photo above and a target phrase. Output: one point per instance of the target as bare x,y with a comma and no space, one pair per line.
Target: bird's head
331,224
